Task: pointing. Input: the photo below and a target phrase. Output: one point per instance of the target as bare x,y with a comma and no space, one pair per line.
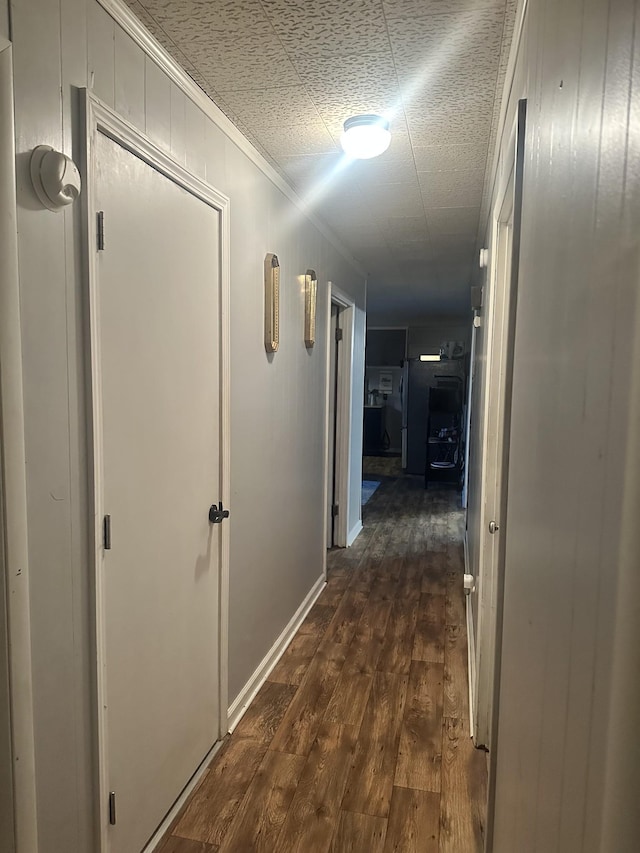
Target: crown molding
126,19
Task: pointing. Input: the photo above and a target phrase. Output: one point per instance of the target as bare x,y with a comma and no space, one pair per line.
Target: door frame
332,413
487,569
344,400
99,118
488,599
467,421
518,177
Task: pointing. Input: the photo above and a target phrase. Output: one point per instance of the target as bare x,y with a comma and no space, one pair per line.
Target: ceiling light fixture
365,136
430,357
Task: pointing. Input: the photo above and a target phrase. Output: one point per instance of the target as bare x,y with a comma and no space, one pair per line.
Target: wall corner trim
126,19
353,534
248,693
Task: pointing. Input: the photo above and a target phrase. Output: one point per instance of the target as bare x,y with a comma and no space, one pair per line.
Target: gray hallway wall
571,629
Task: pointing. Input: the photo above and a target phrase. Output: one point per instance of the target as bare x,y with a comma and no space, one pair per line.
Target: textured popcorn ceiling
289,72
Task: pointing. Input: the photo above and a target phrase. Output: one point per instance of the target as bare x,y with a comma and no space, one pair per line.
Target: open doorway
384,422
335,339
340,356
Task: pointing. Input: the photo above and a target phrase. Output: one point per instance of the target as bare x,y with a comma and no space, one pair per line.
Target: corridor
359,741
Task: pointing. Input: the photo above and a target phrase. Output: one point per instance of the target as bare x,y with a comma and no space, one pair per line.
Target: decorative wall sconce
310,302
271,303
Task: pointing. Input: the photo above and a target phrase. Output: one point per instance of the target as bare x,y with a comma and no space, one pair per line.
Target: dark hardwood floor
359,741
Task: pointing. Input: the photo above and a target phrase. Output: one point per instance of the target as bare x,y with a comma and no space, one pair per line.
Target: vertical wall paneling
129,83
37,69
178,125
4,19
615,238
195,136
214,149
571,468
7,823
17,777
585,308
621,818
101,53
74,58
158,105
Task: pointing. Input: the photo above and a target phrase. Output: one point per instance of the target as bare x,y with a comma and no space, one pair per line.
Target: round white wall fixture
55,177
365,136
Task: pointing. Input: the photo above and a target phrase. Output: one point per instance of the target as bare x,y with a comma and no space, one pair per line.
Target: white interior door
158,338
487,587
486,600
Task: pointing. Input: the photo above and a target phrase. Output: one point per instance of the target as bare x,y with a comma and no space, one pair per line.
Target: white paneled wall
569,700
277,472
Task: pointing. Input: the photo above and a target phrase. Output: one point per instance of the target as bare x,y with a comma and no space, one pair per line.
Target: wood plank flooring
359,741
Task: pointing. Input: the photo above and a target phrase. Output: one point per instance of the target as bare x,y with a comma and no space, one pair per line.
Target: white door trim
14,565
101,119
344,420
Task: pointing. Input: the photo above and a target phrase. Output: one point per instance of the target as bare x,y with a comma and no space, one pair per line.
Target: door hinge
100,230
338,334
106,533
112,808
335,511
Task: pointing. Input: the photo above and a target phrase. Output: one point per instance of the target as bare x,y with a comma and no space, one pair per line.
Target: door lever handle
217,514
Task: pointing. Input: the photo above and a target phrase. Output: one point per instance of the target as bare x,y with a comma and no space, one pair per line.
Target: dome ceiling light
365,136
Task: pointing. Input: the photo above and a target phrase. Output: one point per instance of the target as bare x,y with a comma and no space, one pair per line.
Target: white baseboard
354,533
471,643
249,691
192,784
